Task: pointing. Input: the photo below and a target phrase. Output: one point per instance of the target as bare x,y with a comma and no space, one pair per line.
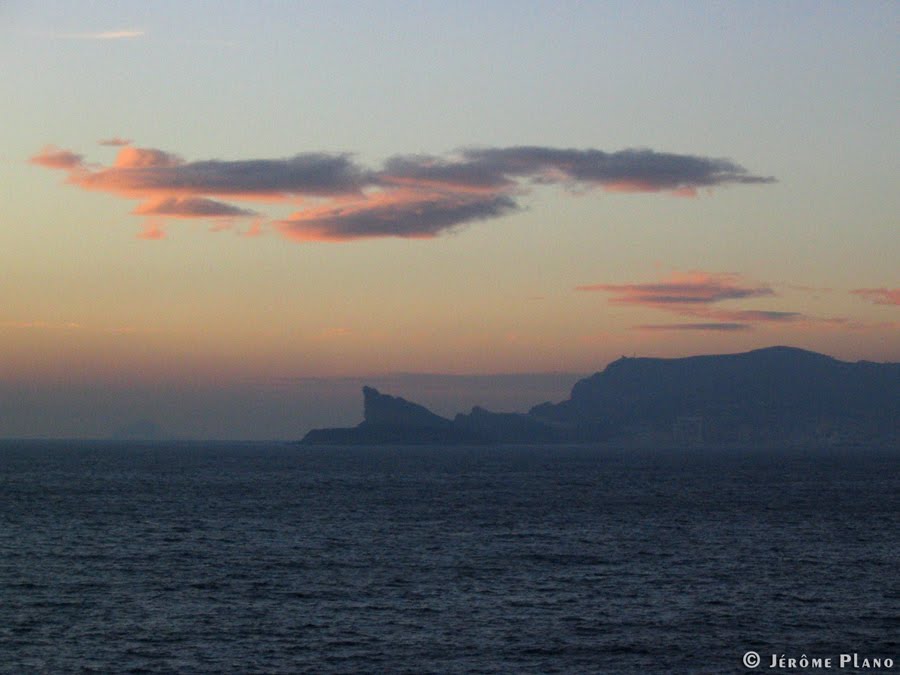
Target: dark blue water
271,558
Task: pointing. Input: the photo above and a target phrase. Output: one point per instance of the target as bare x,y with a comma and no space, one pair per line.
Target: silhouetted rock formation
773,395
506,427
390,411
390,419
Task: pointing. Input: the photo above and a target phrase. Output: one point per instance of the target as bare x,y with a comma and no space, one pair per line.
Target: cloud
879,296
752,315
52,157
638,170
105,35
255,230
150,172
625,170
145,158
413,218
685,289
425,171
152,232
693,295
807,289
190,207
115,141
409,196
728,327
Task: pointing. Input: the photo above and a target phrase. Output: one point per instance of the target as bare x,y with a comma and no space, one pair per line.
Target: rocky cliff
766,394
391,419
773,395
389,411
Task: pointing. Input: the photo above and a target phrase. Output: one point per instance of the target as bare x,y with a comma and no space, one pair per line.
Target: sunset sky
224,218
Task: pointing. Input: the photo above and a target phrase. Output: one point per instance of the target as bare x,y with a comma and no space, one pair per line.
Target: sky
224,218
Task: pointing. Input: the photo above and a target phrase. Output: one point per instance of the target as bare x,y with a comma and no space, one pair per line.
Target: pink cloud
190,207
52,157
255,230
132,158
115,141
688,192
103,35
693,295
152,232
682,289
409,196
879,296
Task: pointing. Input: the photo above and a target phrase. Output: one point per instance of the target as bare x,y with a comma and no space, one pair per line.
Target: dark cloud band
408,196
696,289
653,170
696,296
726,327
419,219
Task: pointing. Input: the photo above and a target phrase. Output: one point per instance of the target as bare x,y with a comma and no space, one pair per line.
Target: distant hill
390,419
772,395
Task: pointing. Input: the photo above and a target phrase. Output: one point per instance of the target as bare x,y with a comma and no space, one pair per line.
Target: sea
282,558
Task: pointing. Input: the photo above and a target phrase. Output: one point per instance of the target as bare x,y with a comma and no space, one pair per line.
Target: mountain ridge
775,394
